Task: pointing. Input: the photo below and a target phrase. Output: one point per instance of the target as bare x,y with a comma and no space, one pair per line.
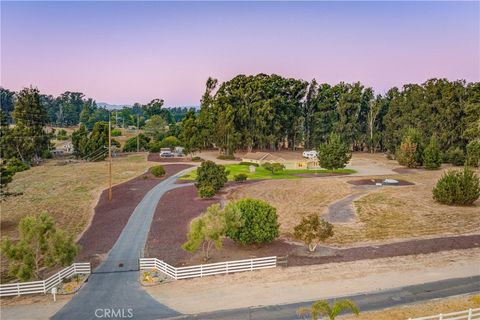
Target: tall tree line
271,112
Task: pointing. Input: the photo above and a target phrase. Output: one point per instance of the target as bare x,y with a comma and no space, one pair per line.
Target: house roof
262,156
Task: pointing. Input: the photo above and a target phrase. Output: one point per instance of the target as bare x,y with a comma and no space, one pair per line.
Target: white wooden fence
470,314
208,269
43,286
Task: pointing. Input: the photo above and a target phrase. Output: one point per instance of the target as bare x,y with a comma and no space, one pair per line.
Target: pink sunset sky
126,52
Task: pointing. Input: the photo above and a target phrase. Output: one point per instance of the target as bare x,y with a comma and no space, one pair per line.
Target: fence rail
470,314
43,286
210,269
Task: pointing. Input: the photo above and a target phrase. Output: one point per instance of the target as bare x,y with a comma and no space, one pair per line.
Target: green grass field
262,173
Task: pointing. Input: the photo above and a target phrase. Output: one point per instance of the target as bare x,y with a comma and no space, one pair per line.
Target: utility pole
138,135
109,159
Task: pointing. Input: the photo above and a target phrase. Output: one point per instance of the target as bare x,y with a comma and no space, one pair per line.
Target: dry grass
420,309
410,211
68,192
295,198
386,213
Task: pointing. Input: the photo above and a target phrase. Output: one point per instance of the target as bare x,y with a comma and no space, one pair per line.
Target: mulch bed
111,216
176,209
155,157
372,182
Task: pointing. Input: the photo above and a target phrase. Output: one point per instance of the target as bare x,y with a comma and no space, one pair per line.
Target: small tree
406,153
473,153
170,142
273,167
457,187
431,155
312,230
334,154
206,231
211,174
323,308
40,245
257,223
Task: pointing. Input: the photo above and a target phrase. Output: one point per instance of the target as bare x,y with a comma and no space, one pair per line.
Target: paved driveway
114,292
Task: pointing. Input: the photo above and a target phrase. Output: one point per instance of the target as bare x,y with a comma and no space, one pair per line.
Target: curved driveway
111,293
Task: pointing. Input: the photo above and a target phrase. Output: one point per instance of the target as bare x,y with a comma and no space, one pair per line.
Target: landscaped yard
68,192
262,173
385,213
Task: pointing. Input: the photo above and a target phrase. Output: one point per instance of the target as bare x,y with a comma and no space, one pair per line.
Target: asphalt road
113,291
366,302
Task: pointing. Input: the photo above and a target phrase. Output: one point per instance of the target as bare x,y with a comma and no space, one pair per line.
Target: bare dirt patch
111,216
290,285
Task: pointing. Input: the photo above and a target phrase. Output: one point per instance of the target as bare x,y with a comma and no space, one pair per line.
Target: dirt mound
372,182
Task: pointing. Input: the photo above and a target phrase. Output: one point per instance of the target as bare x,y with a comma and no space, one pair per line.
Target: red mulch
177,208
111,216
155,157
372,182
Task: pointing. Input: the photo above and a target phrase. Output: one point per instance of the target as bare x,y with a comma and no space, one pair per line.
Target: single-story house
63,148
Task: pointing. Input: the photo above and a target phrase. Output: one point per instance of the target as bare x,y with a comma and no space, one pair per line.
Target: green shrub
456,156
131,144
158,171
116,133
246,163
334,154
212,174
240,177
62,134
170,142
273,167
197,159
154,146
457,187
473,153
226,157
431,155
258,222
206,191
15,165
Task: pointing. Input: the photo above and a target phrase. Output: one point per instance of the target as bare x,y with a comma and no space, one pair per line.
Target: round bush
457,187
259,222
158,171
240,177
206,191
212,174
116,133
456,156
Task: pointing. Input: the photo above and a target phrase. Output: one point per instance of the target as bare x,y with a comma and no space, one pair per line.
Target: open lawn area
381,214
67,191
262,173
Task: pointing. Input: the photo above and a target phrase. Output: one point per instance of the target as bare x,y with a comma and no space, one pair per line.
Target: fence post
18,289
201,270
44,287
251,264
59,278
227,266
470,314
440,316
